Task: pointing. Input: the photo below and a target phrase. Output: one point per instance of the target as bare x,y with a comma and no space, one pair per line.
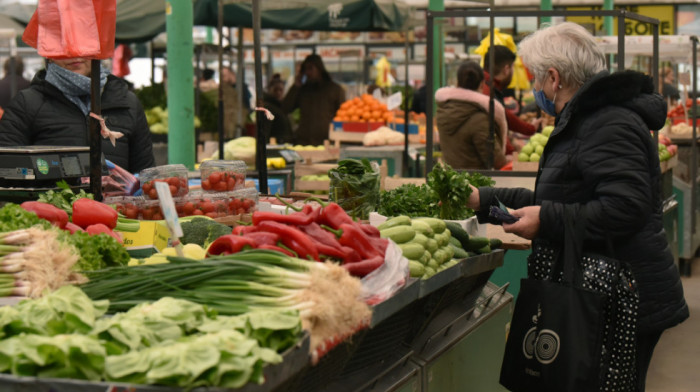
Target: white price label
394,101
167,206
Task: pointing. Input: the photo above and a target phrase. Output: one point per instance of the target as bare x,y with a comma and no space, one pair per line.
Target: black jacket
601,155
280,127
42,115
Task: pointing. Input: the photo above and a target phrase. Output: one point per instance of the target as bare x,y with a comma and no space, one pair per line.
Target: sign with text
664,13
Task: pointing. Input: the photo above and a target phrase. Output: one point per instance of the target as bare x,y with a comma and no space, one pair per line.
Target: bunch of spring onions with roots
33,260
326,296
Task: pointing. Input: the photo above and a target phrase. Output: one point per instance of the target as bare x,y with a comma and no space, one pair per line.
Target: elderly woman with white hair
600,156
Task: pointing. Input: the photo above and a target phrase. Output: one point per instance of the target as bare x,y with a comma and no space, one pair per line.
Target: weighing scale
27,171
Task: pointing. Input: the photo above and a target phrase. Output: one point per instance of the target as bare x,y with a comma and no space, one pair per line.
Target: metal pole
220,53
429,95
178,21
492,106
197,90
94,137
240,76
621,42
153,64
260,152
546,5
694,143
608,20
406,108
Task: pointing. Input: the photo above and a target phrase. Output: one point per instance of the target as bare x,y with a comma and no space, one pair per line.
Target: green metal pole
178,24
439,47
608,5
546,5
210,35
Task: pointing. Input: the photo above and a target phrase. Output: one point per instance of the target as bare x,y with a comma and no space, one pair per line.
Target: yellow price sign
664,13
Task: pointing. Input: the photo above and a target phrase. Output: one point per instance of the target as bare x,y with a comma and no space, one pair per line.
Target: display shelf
329,153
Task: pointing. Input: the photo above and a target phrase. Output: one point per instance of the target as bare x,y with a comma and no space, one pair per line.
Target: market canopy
319,15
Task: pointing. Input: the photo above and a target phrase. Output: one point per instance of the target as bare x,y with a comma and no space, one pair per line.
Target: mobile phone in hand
500,213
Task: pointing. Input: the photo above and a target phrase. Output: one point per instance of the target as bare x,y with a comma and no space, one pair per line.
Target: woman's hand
474,200
528,225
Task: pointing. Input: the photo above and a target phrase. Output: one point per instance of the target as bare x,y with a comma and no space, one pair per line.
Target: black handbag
574,322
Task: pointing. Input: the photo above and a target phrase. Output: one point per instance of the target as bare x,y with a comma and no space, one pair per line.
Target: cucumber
475,243
433,264
425,258
417,269
412,251
420,239
442,238
459,253
441,256
455,242
398,234
422,227
485,249
457,231
431,246
428,273
495,243
437,225
447,248
401,220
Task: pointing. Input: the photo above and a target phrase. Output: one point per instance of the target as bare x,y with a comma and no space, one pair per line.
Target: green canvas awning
319,15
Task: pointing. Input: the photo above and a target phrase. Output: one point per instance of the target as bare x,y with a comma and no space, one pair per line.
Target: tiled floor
675,366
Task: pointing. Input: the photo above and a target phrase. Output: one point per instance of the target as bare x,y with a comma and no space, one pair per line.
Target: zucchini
495,243
447,248
459,253
416,268
428,273
420,239
485,249
441,256
398,234
412,251
442,238
457,231
425,258
422,227
475,243
433,264
401,220
455,242
431,246
437,225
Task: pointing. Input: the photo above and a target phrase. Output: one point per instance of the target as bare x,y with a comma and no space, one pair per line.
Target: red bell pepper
228,244
315,231
369,230
243,229
48,212
99,228
297,218
292,237
353,255
334,215
276,248
263,238
341,254
353,237
72,227
88,212
364,267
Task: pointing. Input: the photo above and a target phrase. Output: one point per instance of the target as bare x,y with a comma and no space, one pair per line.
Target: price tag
394,101
167,206
377,94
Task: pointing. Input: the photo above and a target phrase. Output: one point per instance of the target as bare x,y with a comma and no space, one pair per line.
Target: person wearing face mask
318,98
55,111
280,128
600,156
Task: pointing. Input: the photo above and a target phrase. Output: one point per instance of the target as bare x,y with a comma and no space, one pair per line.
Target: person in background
418,102
463,122
668,87
280,128
599,156
6,82
54,111
318,98
206,81
229,77
502,76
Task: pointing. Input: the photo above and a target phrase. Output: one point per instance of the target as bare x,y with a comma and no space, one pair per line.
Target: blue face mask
544,103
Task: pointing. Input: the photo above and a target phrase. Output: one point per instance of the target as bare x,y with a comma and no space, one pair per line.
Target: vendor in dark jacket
54,111
318,98
280,127
601,156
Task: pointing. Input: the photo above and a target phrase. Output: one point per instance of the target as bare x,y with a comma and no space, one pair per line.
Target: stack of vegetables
169,342
315,233
354,184
326,296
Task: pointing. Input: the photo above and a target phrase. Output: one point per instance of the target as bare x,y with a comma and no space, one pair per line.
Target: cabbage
242,148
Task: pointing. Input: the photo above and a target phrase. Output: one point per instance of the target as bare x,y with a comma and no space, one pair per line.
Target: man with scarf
54,111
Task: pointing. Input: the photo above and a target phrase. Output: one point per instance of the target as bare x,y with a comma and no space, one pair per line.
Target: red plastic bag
73,28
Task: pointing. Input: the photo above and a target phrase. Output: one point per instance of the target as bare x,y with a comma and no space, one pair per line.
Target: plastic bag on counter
119,182
386,280
354,185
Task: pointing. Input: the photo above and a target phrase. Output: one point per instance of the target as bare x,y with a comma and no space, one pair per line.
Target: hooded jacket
463,124
317,103
601,155
42,115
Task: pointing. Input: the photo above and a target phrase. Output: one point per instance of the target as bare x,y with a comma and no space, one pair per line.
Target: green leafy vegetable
64,198
408,199
202,231
452,189
97,251
13,217
354,185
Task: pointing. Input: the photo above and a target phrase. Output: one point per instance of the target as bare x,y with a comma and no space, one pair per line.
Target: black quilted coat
42,115
601,155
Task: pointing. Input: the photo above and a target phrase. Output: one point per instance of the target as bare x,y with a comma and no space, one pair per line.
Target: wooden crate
524,166
669,164
330,153
338,137
304,169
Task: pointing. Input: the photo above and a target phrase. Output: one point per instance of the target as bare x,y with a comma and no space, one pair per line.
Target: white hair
566,47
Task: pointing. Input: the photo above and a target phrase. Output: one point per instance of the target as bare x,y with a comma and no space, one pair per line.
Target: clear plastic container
150,210
174,175
243,201
222,176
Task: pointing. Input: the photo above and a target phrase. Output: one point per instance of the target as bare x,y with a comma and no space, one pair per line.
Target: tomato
220,186
230,183
212,214
188,208
157,216
173,181
132,212
183,182
207,206
173,190
233,205
214,178
147,187
248,204
152,193
197,212
147,214
240,211
206,185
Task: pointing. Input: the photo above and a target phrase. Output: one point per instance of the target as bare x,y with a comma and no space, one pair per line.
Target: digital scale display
71,166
